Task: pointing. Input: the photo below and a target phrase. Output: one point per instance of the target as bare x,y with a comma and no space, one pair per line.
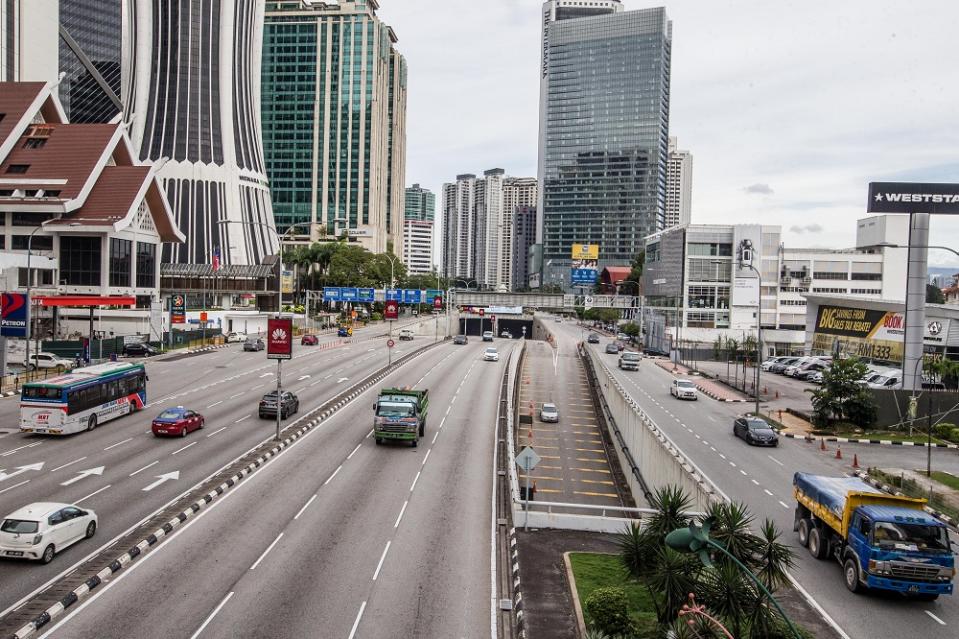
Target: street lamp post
466,321
759,327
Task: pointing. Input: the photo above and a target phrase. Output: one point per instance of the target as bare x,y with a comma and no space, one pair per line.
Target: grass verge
596,570
946,478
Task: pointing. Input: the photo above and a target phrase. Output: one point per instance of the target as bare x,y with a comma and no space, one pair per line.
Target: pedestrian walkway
708,387
574,467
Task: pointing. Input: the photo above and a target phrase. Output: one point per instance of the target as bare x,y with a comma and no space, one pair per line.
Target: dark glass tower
604,131
90,42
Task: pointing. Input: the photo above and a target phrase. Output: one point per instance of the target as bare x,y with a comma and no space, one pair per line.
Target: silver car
549,413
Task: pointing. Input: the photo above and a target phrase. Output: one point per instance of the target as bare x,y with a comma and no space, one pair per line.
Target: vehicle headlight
37,539
946,572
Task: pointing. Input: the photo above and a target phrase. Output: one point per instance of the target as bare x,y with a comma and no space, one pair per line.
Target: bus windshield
42,392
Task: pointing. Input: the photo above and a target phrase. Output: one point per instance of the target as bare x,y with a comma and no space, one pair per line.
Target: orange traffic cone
855,460
822,444
838,453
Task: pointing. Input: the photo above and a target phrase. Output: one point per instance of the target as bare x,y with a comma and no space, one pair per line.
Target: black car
755,431
593,338
268,405
253,344
460,339
139,350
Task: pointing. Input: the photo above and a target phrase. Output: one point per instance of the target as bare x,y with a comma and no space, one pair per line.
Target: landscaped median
596,571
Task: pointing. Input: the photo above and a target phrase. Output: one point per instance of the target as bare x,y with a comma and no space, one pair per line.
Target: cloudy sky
789,107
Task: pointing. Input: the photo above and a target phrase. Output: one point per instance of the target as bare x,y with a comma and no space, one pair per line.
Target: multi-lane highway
116,470
762,478
335,537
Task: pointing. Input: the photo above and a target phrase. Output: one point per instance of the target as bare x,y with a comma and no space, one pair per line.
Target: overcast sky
789,107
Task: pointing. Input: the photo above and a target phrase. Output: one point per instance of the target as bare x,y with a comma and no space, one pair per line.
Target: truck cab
400,415
629,361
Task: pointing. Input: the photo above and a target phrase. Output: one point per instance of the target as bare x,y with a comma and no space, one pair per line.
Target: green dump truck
400,414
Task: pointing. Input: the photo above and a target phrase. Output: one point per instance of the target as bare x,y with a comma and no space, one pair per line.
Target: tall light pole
466,321
745,261
26,362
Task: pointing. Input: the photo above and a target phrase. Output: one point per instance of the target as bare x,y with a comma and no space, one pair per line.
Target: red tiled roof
15,98
112,197
616,273
71,153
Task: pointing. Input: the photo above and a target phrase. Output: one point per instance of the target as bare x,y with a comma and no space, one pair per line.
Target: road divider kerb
171,525
882,442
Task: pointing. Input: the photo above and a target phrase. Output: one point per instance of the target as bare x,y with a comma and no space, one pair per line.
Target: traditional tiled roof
15,99
110,200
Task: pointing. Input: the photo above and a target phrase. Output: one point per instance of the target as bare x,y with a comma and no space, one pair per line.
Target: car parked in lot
816,378
780,366
42,529
768,364
235,337
268,405
177,422
684,389
491,355
593,338
253,344
612,348
487,336
309,340
755,431
460,339
549,413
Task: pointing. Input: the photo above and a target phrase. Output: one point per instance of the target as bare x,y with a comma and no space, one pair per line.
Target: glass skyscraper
420,203
90,29
604,130
334,121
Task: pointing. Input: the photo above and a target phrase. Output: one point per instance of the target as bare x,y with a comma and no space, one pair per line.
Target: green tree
639,263
934,295
842,396
631,329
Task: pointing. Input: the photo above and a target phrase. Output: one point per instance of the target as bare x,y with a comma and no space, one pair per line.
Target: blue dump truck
882,541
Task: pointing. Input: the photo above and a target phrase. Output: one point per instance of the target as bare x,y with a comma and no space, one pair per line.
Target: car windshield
757,424
910,536
394,409
685,384
490,351
549,408
19,526
170,414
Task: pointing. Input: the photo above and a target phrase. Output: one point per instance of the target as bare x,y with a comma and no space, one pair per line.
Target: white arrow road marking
162,478
342,379
266,375
84,473
20,470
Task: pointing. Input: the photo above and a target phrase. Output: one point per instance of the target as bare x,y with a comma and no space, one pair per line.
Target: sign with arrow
84,473
165,477
20,470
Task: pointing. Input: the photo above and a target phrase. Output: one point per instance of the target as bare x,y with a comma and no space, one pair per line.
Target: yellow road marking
589,450
561,468
549,456
590,494
596,481
588,441
548,490
583,470
543,477
589,459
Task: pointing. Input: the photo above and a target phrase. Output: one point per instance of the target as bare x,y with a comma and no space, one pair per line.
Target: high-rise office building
604,122
90,57
28,40
420,203
192,101
679,186
524,236
334,121
479,226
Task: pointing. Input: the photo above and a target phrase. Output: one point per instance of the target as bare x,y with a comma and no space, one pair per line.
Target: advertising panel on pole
585,252
860,332
279,338
584,269
331,294
437,302
913,197
15,315
178,309
432,294
391,309
286,282
745,291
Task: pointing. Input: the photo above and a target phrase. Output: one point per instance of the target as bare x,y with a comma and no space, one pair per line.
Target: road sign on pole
527,459
390,343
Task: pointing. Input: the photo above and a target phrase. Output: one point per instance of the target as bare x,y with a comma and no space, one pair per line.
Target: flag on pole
216,259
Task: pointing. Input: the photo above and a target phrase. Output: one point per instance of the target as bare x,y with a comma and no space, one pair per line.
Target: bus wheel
92,423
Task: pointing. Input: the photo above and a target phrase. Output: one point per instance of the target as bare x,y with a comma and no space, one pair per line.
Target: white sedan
491,355
683,389
233,337
42,529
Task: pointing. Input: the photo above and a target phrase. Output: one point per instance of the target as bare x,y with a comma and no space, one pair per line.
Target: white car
42,529
49,360
491,355
549,413
683,389
235,337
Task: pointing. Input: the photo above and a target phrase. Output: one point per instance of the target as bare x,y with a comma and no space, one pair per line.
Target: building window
31,219
120,262
80,260
146,265
866,291
144,301
39,243
18,168
713,249
867,276
830,275
34,143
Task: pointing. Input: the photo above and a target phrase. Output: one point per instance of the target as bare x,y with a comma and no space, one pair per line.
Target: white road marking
13,450
92,494
83,473
216,431
356,623
144,468
161,479
415,479
265,552
242,419
354,451
710,418
256,387
25,481
722,456
754,481
774,459
212,615
235,396
118,443
68,464
935,618
766,490
435,435
781,503
180,450
305,506
330,478
743,472
376,573
316,382
733,464
427,456
400,516
215,404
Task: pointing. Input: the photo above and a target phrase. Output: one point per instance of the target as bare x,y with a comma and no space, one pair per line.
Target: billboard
912,197
286,282
432,294
14,315
279,338
391,310
745,291
860,332
583,252
584,270
178,309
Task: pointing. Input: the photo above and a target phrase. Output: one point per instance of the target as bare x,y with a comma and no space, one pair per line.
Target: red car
177,422
310,340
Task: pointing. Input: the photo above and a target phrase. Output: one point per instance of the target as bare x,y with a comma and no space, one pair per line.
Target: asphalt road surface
336,537
762,478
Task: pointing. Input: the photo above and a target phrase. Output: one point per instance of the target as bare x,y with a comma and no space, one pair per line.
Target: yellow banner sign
876,349
585,252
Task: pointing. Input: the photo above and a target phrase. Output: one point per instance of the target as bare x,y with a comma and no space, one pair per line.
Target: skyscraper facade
334,121
28,40
459,227
191,93
679,186
418,246
604,122
524,236
90,57
420,203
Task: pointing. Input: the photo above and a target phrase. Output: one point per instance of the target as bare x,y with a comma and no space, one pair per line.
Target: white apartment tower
679,186
418,246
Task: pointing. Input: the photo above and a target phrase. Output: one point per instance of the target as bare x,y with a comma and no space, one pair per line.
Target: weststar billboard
913,197
14,315
279,338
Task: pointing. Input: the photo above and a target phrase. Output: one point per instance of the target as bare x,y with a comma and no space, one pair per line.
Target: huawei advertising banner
391,310
14,315
279,338
585,258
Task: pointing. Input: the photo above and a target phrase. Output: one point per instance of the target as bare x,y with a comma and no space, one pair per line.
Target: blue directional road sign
432,294
364,295
411,296
349,294
331,294
394,295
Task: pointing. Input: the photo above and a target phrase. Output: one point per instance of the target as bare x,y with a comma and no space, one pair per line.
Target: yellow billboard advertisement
582,252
